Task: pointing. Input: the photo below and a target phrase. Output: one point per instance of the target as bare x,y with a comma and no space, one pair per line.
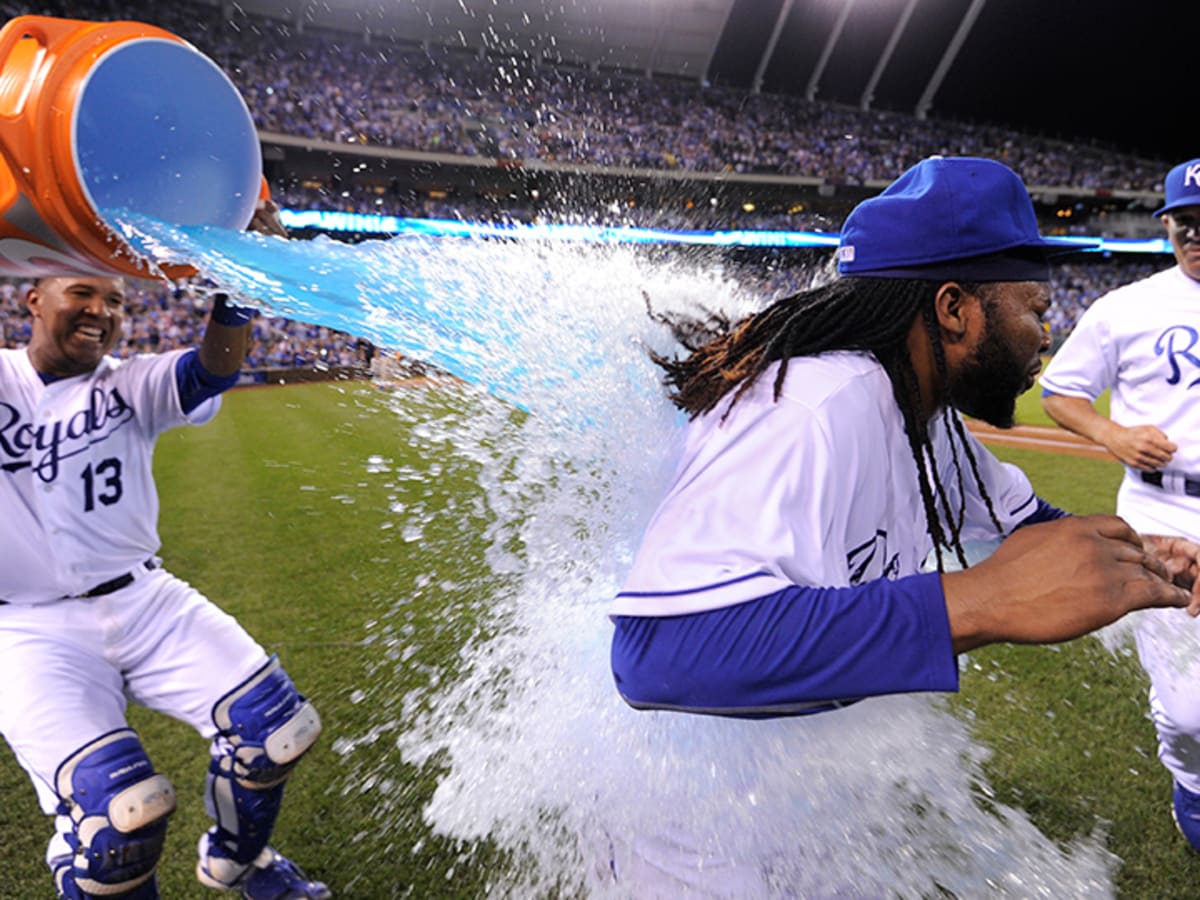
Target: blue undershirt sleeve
800,650
196,384
1044,513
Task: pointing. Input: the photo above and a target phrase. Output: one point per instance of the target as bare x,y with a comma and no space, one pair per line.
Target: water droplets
516,508
378,465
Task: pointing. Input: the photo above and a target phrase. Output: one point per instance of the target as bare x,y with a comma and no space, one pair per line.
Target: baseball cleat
272,876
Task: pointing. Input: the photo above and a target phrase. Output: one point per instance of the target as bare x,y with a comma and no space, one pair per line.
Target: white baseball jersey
1143,341
76,484
819,489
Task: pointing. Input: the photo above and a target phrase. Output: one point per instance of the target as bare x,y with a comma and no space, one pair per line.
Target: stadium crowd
677,212
448,102
343,89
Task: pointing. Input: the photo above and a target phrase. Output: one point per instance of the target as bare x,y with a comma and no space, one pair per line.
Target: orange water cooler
103,118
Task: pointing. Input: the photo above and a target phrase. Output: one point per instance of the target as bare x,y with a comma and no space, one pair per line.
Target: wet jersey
816,489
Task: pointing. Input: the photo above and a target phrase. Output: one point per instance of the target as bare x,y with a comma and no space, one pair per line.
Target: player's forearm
226,338
1078,415
224,348
970,612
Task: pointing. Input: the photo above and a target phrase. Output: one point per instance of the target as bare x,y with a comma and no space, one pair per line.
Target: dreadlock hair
872,315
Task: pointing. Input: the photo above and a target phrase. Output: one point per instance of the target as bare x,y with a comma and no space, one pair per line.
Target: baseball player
1141,340
785,570
826,461
90,619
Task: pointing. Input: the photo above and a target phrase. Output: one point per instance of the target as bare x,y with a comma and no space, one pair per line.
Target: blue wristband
225,313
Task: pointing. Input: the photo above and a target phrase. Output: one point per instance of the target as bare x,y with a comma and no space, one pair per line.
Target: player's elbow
641,679
1053,404
648,672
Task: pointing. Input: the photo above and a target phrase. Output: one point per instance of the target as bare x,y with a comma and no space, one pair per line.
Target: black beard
989,383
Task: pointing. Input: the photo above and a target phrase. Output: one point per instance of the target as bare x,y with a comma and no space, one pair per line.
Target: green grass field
278,511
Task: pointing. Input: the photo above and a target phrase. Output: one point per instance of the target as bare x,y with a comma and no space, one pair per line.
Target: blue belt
1191,486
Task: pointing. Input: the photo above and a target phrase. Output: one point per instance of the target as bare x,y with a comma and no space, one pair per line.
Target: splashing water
540,754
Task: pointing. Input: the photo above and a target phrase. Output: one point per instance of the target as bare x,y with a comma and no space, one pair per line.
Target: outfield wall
302,375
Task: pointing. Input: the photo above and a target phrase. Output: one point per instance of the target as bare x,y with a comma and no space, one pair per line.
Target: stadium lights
366,223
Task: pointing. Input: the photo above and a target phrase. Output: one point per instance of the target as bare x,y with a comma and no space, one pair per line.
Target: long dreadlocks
873,315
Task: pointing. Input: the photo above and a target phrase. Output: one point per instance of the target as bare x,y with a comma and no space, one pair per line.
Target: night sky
1119,72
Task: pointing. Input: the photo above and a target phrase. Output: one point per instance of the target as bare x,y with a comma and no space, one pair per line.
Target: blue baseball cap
1183,186
950,217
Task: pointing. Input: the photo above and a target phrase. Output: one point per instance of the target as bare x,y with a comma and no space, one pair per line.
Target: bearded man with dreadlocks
826,461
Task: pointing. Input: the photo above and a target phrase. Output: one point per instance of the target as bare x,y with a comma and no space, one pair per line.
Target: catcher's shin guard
264,727
113,812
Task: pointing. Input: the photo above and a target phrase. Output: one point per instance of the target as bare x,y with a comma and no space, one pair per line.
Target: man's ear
955,308
33,298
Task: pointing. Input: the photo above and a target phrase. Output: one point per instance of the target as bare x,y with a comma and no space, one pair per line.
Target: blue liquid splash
881,799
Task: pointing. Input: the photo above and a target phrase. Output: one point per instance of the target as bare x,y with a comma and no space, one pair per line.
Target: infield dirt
1038,437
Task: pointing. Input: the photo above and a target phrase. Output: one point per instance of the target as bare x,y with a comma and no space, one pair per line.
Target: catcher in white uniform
89,619
1143,341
